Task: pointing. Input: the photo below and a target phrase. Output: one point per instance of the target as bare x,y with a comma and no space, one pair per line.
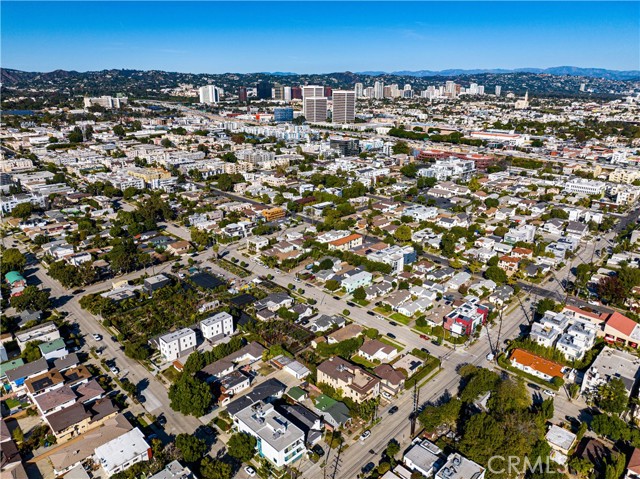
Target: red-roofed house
622,330
346,243
533,364
509,264
633,468
591,316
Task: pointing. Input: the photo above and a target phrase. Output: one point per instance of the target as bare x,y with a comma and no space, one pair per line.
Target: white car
365,435
97,337
114,370
490,357
549,393
250,470
386,395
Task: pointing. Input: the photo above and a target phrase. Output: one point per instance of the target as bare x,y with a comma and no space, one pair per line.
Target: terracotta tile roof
345,240
634,461
621,323
542,365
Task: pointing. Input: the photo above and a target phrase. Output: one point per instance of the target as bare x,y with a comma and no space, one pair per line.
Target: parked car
161,420
393,323
425,350
337,298
250,471
386,395
365,435
349,303
425,337
318,450
114,370
391,335
368,468
393,410
371,313
549,392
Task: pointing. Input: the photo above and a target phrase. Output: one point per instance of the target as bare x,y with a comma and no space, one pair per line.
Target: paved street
395,426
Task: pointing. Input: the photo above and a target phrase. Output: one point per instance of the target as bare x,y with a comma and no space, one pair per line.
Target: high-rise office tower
480,89
242,94
315,108
359,89
209,94
312,90
450,87
369,92
344,106
296,93
264,90
498,90
378,89
278,92
287,93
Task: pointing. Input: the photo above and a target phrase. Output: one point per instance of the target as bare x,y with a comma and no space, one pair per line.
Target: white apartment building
344,106
217,326
8,203
420,212
279,441
106,102
573,337
611,364
121,453
584,186
449,168
176,344
396,256
459,467
209,94
525,233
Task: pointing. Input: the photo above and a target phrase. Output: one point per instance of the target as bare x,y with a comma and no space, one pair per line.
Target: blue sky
310,37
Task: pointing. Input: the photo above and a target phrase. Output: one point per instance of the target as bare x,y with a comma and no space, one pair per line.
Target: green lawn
12,403
171,374
401,318
380,310
361,302
391,342
356,358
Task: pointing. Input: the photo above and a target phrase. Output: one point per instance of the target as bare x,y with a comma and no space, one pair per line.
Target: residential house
178,343
374,350
216,327
356,383
121,453
278,440
611,364
391,380
423,457
533,364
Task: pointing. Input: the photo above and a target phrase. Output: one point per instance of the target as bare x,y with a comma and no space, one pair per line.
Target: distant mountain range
550,82
559,71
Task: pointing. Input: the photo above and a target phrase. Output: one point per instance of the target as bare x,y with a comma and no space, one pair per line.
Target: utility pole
337,461
416,405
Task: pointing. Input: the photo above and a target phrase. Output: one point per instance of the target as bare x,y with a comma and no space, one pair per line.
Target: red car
425,337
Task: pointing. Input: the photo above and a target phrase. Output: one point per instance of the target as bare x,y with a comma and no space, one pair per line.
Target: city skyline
310,37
